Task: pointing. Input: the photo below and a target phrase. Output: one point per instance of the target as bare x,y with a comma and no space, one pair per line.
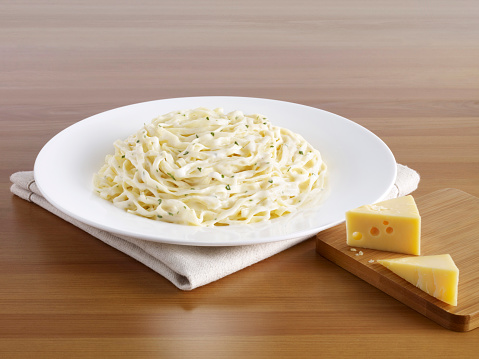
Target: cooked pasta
204,167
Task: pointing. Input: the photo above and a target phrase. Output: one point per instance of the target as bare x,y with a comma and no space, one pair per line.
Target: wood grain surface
408,71
449,225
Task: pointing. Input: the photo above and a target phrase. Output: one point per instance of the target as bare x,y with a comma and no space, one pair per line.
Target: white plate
361,168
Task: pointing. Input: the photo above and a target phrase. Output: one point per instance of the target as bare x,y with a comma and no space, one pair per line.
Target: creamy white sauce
204,167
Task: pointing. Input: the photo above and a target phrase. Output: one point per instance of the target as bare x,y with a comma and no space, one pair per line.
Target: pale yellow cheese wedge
393,225
435,275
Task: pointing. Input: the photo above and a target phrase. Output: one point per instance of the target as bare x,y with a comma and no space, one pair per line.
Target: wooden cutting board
449,224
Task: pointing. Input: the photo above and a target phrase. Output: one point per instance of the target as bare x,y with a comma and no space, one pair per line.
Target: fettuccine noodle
204,167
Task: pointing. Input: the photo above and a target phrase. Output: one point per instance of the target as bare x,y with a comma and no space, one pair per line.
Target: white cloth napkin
187,267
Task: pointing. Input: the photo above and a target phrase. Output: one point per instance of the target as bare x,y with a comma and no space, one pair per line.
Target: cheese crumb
360,253
353,249
371,261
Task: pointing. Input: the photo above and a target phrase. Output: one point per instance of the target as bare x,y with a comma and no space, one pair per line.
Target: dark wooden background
408,71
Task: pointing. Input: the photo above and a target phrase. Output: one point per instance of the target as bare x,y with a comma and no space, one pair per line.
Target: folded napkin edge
181,268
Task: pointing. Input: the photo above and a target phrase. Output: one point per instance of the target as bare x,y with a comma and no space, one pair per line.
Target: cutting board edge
451,321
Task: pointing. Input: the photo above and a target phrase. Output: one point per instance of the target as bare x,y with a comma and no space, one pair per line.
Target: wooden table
409,73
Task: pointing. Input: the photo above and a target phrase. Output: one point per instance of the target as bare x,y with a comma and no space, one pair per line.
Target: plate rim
303,234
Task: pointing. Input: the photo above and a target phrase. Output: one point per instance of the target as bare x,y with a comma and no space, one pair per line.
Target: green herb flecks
169,174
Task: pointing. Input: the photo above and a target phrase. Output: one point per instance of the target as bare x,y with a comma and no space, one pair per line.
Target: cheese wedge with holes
393,225
435,275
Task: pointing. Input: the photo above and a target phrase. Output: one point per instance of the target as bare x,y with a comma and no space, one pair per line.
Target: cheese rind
393,225
436,275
